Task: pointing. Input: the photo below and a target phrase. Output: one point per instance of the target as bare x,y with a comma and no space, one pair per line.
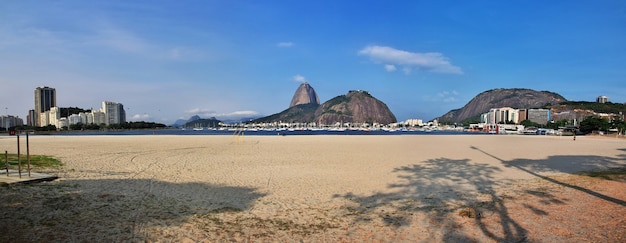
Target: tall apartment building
45,98
9,121
114,112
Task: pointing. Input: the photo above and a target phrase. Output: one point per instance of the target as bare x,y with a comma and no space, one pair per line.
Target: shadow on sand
117,210
450,192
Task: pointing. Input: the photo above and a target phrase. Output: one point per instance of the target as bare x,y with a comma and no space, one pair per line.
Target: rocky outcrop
305,94
495,98
354,107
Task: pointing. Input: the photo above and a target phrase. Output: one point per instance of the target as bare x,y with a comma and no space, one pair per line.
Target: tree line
81,126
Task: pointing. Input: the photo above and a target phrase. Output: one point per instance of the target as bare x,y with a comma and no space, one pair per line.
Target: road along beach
320,188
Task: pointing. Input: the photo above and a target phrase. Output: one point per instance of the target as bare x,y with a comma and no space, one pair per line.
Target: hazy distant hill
212,122
514,98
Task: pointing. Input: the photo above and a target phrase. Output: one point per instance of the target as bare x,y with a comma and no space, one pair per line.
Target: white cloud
299,78
390,68
430,61
140,117
448,96
285,44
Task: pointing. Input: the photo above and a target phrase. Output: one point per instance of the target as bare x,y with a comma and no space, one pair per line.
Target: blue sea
192,132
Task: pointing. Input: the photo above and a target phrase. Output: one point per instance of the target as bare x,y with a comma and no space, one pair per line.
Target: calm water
258,133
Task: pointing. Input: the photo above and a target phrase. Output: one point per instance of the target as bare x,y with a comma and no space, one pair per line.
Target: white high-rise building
98,117
114,112
74,119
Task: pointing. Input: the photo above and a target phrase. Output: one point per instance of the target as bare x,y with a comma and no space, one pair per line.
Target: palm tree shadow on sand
449,192
112,209
566,164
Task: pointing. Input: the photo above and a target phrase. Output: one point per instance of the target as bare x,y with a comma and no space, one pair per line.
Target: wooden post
19,162
6,159
28,153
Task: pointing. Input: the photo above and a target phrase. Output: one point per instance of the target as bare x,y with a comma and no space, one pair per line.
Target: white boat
198,128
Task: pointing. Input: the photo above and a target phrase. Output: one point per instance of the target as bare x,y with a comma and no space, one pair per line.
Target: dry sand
319,189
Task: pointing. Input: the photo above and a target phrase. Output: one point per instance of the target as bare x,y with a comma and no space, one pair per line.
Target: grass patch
610,174
36,161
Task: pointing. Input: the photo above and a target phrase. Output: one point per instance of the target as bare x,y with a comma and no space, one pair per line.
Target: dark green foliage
618,124
67,111
594,123
136,125
337,100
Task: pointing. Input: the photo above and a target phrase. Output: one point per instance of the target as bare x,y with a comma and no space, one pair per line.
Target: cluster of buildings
509,119
508,115
47,113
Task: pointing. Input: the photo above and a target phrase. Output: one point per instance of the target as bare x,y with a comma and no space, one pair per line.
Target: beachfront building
49,117
62,122
74,119
45,99
539,116
9,121
114,112
414,122
500,115
98,117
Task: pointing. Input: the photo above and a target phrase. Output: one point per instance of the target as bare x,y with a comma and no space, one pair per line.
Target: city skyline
166,61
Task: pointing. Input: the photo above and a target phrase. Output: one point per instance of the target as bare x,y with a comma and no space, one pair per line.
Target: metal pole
6,160
19,162
28,153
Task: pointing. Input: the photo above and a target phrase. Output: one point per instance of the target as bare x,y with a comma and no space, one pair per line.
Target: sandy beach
418,188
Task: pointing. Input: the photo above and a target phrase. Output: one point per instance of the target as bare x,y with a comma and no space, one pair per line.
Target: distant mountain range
356,106
360,107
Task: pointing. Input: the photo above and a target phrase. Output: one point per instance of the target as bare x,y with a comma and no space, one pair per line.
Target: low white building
414,122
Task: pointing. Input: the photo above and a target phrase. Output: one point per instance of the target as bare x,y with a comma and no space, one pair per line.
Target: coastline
338,187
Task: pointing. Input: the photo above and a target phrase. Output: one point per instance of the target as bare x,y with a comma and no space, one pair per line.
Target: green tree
528,123
557,124
618,124
594,123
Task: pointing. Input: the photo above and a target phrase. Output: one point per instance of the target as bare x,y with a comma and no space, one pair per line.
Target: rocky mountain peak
305,94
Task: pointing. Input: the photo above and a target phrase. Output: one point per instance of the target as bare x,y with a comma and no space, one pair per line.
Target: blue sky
167,60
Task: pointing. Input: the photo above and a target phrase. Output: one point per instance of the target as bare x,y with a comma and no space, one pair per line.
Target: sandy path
317,188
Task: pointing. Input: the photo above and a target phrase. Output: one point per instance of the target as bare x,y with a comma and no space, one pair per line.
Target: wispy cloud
443,97
299,78
390,68
285,44
430,61
448,96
